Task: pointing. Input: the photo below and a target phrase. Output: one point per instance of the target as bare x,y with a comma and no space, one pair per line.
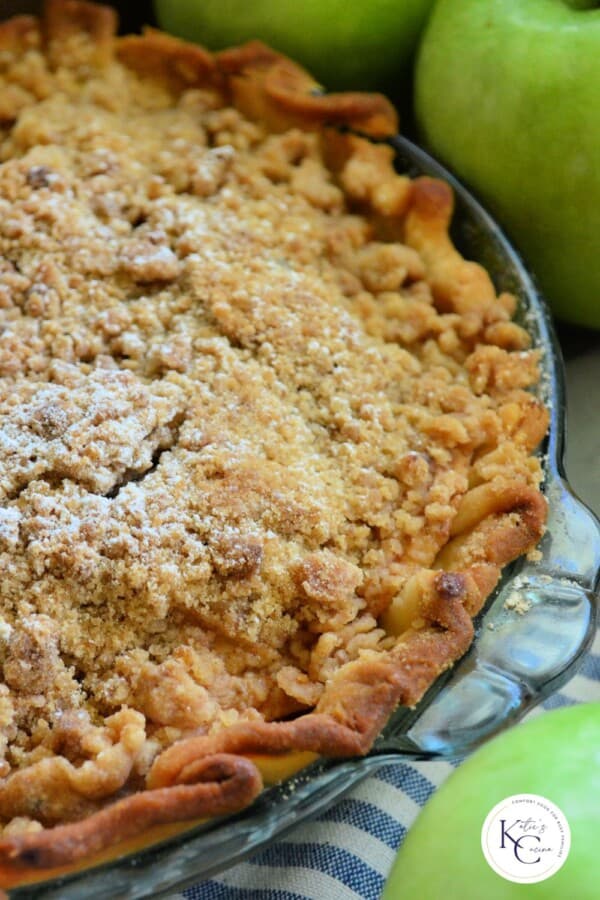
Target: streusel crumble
265,438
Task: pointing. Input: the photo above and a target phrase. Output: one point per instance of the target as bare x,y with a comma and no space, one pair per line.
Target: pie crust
266,438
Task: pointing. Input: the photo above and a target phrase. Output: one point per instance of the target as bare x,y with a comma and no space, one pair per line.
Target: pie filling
265,437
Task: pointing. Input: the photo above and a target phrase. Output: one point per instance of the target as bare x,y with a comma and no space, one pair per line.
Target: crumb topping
235,419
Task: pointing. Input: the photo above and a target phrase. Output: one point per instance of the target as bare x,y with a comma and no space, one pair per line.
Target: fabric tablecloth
347,852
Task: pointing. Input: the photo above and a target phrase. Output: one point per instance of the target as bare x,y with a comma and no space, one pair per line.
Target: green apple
507,93
556,756
344,43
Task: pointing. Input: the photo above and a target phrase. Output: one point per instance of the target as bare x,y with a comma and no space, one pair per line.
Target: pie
266,438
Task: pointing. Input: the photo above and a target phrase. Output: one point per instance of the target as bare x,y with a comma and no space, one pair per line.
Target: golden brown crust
65,21
179,63
342,598
355,707
495,523
19,34
212,786
271,88
263,84
458,285
346,722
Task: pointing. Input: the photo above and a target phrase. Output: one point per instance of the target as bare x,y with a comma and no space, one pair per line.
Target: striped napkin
347,852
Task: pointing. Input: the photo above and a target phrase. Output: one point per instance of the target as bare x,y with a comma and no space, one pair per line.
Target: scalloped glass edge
530,638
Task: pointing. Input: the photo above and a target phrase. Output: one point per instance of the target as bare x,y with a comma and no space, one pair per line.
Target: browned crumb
518,604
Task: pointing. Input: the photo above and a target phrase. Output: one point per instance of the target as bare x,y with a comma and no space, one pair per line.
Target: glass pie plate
517,659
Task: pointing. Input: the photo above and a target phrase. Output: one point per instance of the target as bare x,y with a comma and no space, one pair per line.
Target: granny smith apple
344,43
556,756
507,93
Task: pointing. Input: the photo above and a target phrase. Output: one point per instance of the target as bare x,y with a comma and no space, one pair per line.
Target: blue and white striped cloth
347,852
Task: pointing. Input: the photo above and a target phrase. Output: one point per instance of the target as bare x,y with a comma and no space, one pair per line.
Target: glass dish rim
318,785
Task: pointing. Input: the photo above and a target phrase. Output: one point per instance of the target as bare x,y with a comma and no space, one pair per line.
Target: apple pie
266,438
